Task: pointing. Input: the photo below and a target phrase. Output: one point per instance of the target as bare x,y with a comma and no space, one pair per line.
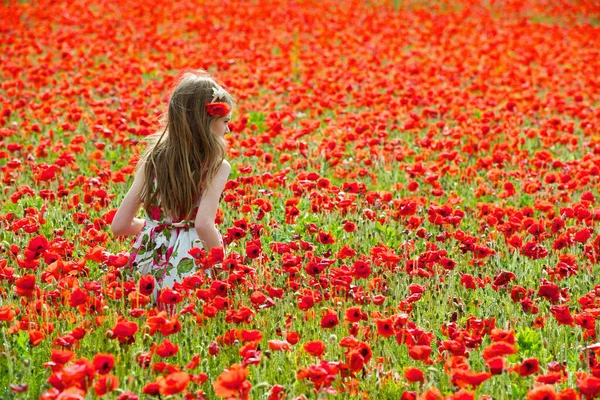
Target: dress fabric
162,248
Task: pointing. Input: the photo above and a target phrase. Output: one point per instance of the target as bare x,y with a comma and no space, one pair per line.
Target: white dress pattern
162,248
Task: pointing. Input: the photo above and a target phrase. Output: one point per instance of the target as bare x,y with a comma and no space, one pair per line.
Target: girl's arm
207,210
125,222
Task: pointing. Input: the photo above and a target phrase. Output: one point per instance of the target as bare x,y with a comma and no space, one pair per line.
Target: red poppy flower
419,352
243,315
173,383
549,291
329,320
194,362
498,349
431,394
589,386
462,394
454,347
128,396
61,357
276,393
585,320
528,367
171,326
167,349
361,269
146,286
152,389
501,335
355,360
105,383
464,377
409,395
496,365
503,278
18,388
7,313
292,337
104,363
37,245
35,337
568,394
25,286
209,311
253,249
257,298
529,306
562,314
468,281
123,330
364,350
219,288
213,348
232,383
251,336
325,238
413,374
550,378
349,226
544,392
216,255
583,235
170,296
79,374
315,348
447,263
78,296
354,314
218,109
279,345
385,327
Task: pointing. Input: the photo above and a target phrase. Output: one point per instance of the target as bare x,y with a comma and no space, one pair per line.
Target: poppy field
413,209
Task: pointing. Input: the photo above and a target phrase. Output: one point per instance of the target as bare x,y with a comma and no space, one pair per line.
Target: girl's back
178,183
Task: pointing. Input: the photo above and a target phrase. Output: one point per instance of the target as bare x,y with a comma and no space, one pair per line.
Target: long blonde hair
182,160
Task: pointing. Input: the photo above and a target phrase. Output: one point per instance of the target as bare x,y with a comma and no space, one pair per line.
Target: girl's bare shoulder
225,166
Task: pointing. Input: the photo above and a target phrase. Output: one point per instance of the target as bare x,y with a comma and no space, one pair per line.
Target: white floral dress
162,249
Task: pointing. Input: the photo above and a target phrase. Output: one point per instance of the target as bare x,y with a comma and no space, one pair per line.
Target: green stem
8,356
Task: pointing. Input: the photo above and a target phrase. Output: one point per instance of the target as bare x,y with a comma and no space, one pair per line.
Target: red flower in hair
218,109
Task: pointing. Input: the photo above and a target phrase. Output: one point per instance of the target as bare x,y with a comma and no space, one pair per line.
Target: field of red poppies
413,210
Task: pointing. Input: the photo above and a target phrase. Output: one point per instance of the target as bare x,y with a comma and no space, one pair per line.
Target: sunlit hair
184,157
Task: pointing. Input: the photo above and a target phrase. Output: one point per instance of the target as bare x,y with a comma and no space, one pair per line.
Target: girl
178,182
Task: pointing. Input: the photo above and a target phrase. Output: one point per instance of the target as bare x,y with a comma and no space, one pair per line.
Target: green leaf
530,342
186,265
